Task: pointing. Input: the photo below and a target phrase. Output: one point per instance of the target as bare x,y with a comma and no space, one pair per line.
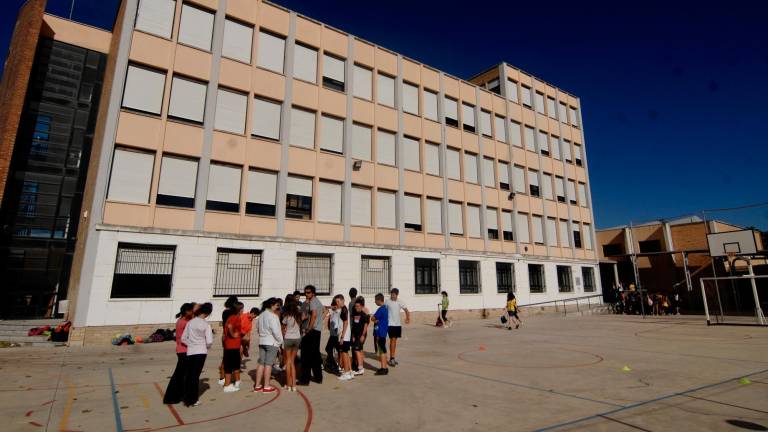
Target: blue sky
674,93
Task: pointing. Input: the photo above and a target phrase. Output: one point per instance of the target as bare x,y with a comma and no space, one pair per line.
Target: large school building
236,147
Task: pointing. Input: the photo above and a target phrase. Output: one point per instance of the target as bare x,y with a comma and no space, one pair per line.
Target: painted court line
115,404
309,411
629,425
173,411
726,404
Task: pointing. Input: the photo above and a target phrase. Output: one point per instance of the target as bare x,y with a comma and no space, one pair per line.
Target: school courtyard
604,372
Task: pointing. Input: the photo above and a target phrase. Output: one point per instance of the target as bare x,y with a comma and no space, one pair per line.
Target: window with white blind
572,192
539,103
574,116
305,63
385,209
538,229
515,137
543,143
385,147
196,27
512,91
362,85
506,225
533,181
468,117
530,140
503,176
492,223
588,236
187,99
473,221
361,142
411,98
577,154
551,107
231,108
144,89
430,105
583,194
551,232
432,159
332,134
560,189
451,111
576,235
270,52
333,73
455,218
298,198
470,168
265,118
262,189
316,270
489,177
178,179
546,186
302,130
238,41
518,177
131,176
564,234
156,17
485,123
224,188
453,164
329,202
411,154
523,234
385,90
501,130
412,204
361,206
434,216
567,156
527,97
555,147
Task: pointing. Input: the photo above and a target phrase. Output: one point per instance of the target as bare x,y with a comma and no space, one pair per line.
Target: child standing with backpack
512,311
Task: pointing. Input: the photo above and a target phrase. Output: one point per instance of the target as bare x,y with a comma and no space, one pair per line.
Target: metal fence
375,275
315,269
238,272
143,271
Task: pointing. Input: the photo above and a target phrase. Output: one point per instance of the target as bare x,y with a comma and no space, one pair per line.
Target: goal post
735,300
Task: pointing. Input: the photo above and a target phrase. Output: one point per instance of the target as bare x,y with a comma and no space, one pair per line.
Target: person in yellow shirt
512,311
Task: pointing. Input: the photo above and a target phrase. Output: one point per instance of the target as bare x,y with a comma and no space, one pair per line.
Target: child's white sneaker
231,389
221,382
359,371
237,384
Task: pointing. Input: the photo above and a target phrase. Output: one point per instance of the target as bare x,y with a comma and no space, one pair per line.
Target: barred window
314,269
427,275
374,275
469,277
536,280
564,279
238,272
143,271
505,277
588,274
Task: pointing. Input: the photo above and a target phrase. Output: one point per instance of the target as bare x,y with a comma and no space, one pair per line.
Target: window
143,271
432,159
412,204
572,192
505,278
361,142
411,154
298,198
187,99
501,130
332,134
470,168
613,249
555,147
523,233
530,142
144,89
650,246
238,41
514,134
156,17
302,132
539,103
494,86
385,90
533,180
468,117
485,123
588,236
583,194
411,98
196,28
563,112
492,223
455,219
238,272
453,169
329,202
588,275
574,117
564,236
564,279
434,216
361,206
546,186
512,91
385,147
503,176
536,280
223,188
526,91
305,63
551,110
506,221
266,119
363,83
385,209
333,73
551,232
451,112
430,105
567,151
262,188
519,179
577,154
543,143
560,189
131,176
426,275
315,270
469,277
538,229
271,52
231,110
178,179
374,275
473,221
576,236
489,178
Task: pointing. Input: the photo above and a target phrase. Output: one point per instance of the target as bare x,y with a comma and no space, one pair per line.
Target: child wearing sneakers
380,327
345,337
233,341
270,339
359,332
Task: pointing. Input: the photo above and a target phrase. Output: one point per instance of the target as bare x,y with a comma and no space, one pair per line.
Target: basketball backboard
740,242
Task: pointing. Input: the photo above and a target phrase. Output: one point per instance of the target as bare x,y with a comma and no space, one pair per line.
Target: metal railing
564,302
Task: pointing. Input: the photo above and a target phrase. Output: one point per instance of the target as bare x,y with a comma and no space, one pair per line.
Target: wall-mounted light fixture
511,196
357,165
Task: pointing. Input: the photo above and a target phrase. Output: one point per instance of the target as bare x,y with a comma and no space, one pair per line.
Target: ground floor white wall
194,272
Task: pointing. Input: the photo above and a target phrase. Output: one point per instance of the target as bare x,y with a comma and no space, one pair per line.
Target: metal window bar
469,277
146,260
375,275
315,269
505,278
238,272
564,279
536,278
588,275
427,275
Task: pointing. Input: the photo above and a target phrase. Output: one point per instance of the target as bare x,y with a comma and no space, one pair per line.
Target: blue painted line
650,401
115,404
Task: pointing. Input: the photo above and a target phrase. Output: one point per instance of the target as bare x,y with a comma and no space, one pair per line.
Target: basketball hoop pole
758,310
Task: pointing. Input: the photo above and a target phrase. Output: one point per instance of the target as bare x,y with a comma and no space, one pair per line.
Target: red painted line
49,402
173,411
34,423
598,359
309,411
29,413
